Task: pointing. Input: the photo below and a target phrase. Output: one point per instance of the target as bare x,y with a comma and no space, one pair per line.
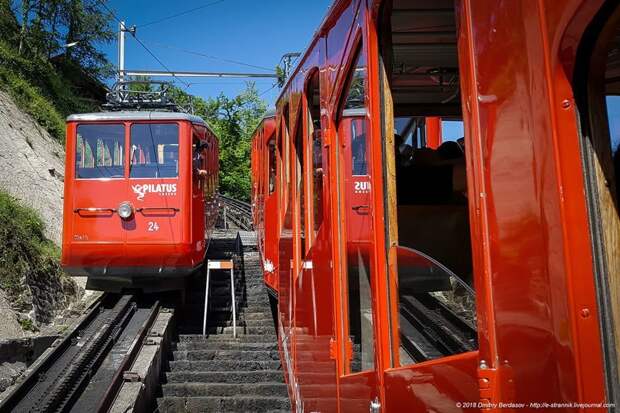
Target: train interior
428,194
598,97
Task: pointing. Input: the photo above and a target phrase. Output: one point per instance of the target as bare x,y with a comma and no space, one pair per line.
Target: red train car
264,200
140,198
438,208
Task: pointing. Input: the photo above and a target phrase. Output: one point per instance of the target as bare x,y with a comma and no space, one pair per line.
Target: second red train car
437,204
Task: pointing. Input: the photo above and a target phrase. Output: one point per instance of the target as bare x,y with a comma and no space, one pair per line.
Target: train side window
358,231
287,168
430,251
313,96
271,147
452,130
99,151
301,187
154,150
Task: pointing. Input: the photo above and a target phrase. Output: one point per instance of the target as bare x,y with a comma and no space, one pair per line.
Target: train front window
99,151
154,150
427,208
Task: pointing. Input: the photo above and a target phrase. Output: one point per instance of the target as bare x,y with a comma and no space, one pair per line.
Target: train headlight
125,210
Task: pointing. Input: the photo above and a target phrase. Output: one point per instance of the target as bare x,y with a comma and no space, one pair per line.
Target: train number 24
153,226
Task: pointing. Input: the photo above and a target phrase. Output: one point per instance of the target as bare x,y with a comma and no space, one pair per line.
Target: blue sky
253,32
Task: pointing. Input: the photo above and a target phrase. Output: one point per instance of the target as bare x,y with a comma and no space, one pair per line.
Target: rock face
32,170
31,165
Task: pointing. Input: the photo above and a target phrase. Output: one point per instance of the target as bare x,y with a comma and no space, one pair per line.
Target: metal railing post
204,319
233,301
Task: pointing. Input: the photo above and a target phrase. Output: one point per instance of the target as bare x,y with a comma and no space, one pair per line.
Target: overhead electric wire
266,91
114,16
210,56
163,19
102,2
160,62
187,85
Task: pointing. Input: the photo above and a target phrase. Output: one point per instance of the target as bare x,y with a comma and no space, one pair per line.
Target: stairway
220,373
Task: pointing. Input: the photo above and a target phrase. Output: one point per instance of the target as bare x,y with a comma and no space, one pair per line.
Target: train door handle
361,209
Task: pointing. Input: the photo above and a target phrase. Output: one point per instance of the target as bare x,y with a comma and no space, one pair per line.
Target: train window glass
409,133
287,168
299,152
272,165
154,150
451,130
358,223
428,210
99,151
359,148
313,95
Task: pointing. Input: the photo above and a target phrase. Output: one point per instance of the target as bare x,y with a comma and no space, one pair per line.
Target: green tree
48,26
87,26
233,120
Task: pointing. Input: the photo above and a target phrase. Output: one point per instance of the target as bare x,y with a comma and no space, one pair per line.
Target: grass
28,325
26,253
40,90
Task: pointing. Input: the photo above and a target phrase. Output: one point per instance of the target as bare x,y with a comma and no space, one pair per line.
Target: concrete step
241,329
241,355
249,308
260,376
224,404
247,338
210,345
224,389
224,365
241,322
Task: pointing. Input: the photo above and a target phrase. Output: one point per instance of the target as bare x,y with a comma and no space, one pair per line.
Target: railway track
84,371
237,212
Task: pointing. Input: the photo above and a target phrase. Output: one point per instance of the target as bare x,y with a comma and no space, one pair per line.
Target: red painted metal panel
433,132
529,226
172,217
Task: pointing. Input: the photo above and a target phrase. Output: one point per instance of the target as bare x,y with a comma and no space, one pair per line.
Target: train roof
270,114
332,12
135,115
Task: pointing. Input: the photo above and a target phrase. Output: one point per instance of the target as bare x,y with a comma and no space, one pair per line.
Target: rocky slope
32,170
31,165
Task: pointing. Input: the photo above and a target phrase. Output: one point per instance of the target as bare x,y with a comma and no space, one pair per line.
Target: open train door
270,215
359,373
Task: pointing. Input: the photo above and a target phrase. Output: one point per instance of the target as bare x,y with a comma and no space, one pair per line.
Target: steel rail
239,212
56,382
117,381
58,348
73,377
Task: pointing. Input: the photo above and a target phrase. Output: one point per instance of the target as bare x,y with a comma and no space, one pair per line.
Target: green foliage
281,75
47,27
28,325
41,90
233,120
26,253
